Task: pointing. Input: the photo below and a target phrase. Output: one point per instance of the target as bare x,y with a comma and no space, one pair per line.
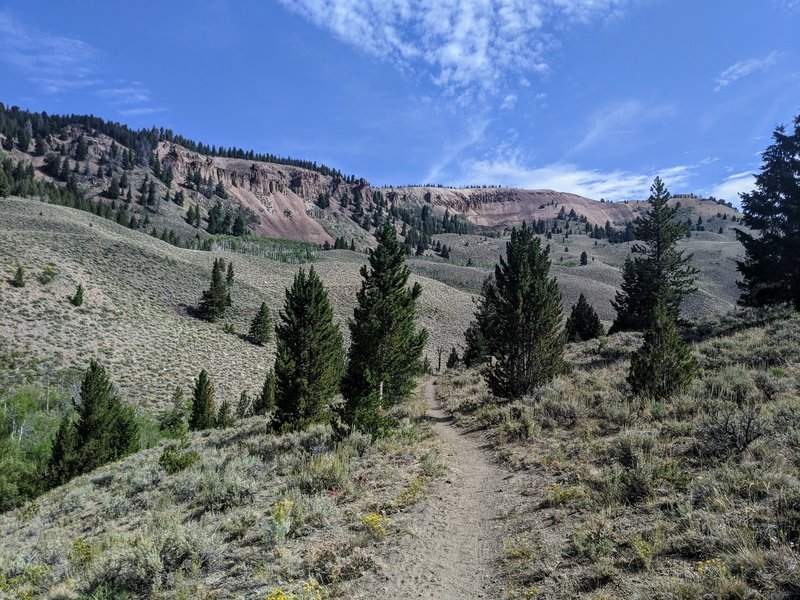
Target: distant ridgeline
25,126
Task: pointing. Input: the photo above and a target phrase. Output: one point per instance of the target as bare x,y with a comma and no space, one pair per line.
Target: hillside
139,295
276,197
613,496
499,208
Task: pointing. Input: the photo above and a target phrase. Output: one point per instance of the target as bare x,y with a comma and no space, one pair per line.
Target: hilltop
277,197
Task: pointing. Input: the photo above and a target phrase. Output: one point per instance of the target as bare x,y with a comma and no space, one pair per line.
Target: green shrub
175,458
48,274
322,472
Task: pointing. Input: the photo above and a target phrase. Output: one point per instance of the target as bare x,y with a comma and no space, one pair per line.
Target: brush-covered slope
139,294
255,515
697,497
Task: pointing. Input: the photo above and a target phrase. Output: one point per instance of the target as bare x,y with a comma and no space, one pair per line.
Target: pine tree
62,465
103,430
584,258
173,420
113,188
661,273
524,306
265,403
665,365
244,408
453,359
476,349
203,407
77,299
771,268
309,355
216,298
386,350
261,327
224,416
583,323
19,277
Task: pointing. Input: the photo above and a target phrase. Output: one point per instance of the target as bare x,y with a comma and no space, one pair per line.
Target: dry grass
256,513
139,291
695,498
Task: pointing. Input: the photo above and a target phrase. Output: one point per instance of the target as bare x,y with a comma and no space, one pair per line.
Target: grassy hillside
257,515
698,497
136,317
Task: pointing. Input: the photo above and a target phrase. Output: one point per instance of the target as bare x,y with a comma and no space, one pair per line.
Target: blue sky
588,96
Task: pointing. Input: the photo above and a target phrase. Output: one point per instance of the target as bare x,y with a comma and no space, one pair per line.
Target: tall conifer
261,326
771,269
524,306
203,406
660,272
386,349
217,297
308,362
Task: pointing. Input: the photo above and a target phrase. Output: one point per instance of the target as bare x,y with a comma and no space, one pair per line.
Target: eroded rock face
281,196
284,197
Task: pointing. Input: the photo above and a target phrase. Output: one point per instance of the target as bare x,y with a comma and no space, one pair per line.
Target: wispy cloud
125,92
733,185
566,177
466,44
59,64
619,122
744,68
141,112
54,63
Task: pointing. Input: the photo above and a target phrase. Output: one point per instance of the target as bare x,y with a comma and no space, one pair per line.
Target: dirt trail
454,536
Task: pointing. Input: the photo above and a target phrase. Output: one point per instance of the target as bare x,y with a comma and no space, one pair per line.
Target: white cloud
59,64
619,122
141,112
730,187
509,102
744,68
126,93
566,177
466,44
55,63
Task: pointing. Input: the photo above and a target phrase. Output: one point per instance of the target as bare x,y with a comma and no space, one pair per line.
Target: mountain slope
139,294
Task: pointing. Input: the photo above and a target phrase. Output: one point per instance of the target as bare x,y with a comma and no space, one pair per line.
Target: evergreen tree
173,420
309,355
583,323
771,268
452,359
224,416
661,273
261,327
523,305
216,298
239,226
584,258
244,408
386,350
229,275
665,365
203,407
19,277
103,430
77,299
81,150
62,465
265,403
113,188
